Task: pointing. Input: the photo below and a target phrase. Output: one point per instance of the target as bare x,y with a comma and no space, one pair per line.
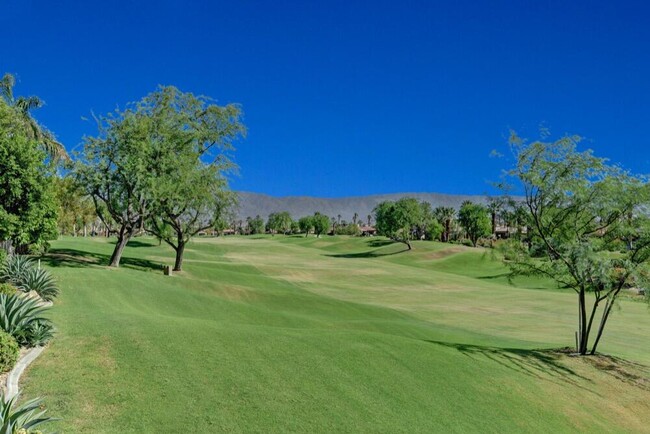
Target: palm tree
445,215
495,206
35,131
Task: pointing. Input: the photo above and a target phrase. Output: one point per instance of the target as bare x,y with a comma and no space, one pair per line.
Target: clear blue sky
349,97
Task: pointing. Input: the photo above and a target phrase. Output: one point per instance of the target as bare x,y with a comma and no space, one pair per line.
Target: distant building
368,231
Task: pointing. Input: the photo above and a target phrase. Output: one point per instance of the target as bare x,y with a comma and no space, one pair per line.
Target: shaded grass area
286,334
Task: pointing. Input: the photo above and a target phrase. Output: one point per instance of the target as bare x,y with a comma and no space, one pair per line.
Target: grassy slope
332,334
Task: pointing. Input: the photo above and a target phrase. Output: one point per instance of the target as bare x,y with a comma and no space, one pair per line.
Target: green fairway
337,334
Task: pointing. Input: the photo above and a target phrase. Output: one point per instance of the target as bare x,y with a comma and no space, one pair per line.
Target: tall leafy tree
256,225
589,227
475,220
76,210
191,140
280,222
398,220
115,171
321,224
306,224
445,215
27,203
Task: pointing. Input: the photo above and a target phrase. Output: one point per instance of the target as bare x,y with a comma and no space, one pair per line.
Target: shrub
39,333
7,288
3,255
8,351
15,267
39,280
19,316
24,275
21,418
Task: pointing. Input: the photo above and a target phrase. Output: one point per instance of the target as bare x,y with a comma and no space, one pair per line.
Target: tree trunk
408,243
608,308
123,238
178,264
582,323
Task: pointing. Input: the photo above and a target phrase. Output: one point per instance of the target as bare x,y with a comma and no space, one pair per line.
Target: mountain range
252,204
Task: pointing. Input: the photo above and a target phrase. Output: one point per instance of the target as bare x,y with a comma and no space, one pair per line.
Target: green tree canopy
27,203
34,131
114,169
280,222
256,225
445,215
475,220
191,142
589,227
398,220
321,224
161,162
306,224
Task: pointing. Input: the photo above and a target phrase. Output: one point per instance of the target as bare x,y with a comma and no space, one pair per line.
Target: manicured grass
286,334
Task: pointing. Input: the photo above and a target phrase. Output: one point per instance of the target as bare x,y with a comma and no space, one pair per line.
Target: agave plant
21,317
21,418
39,280
39,333
15,267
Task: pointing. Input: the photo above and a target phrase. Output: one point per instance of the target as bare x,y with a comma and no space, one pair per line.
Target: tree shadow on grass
139,243
370,254
77,259
494,276
377,244
536,363
632,373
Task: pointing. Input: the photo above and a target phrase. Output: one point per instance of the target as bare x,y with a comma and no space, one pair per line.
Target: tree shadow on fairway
377,252
495,276
632,373
77,258
536,363
370,254
138,243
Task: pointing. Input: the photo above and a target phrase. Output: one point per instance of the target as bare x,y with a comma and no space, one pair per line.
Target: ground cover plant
24,418
24,274
289,333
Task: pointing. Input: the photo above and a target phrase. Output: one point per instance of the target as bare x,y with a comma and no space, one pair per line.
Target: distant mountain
252,204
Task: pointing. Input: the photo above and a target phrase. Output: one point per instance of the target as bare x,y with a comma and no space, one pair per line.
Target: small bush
466,242
7,288
15,267
22,272
21,317
21,418
8,351
3,256
39,280
39,333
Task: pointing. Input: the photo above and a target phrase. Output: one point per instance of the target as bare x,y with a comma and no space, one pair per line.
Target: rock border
17,371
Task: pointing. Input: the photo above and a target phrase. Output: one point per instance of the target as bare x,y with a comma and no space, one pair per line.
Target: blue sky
349,98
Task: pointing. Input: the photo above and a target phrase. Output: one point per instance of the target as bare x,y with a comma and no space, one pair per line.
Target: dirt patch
440,254
634,374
